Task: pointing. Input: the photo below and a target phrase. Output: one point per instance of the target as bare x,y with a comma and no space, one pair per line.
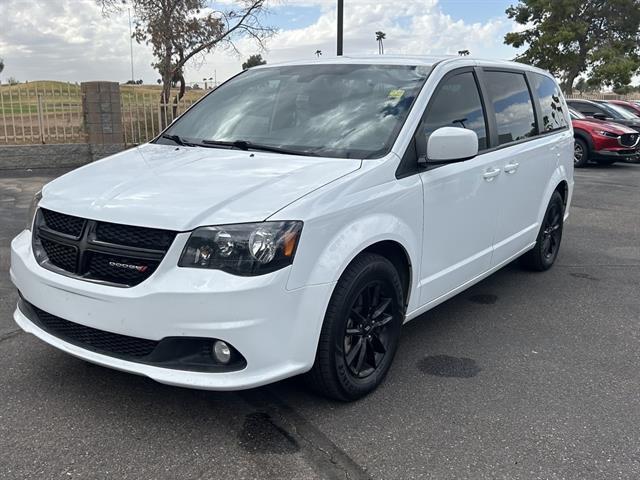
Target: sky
71,40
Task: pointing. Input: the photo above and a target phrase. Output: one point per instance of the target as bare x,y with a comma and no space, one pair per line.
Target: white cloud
71,40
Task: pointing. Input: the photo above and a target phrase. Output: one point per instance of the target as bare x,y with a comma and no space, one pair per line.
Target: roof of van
426,60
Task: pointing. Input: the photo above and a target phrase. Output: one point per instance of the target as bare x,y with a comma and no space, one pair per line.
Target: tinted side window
584,108
456,103
554,116
513,106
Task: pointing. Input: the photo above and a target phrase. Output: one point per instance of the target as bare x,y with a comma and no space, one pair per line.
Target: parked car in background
601,141
630,106
296,217
604,111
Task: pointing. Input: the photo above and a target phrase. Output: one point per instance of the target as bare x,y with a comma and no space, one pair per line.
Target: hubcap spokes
577,153
366,338
551,231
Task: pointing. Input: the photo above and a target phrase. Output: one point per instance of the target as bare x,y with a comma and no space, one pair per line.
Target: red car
602,141
629,106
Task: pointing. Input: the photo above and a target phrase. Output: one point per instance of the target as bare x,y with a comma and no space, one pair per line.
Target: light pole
340,25
131,45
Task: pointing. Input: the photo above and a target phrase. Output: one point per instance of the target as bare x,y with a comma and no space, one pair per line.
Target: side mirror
600,116
451,144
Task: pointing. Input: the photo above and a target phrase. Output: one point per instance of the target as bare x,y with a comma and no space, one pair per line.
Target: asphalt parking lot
522,376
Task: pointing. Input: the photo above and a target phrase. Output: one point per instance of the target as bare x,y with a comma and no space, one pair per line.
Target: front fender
345,218
345,244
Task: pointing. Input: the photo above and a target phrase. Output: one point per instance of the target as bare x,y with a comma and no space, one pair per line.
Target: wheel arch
398,256
558,183
584,136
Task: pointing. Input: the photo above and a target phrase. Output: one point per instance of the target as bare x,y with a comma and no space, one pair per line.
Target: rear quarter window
554,111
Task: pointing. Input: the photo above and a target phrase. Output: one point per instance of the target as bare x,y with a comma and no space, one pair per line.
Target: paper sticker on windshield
396,94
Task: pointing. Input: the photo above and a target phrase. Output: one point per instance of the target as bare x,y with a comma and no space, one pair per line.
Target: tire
605,161
544,254
359,337
580,153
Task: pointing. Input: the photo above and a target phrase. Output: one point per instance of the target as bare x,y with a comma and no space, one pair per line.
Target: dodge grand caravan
293,219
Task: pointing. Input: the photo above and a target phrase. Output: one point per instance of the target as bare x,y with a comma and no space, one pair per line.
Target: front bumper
275,329
621,154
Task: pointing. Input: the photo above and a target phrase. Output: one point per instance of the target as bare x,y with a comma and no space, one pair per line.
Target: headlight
32,210
604,133
245,249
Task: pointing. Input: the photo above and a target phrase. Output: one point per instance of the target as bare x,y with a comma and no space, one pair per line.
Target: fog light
221,352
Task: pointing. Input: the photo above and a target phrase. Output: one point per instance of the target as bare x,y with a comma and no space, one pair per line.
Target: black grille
134,236
60,255
66,224
111,268
121,255
629,139
94,339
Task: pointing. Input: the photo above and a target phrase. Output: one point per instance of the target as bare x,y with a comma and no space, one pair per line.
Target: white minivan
293,219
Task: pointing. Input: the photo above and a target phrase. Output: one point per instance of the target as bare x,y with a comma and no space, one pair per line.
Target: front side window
456,103
553,112
345,111
587,109
509,94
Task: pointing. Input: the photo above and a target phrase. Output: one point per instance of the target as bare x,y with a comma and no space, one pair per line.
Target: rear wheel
580,153
361,330
544,254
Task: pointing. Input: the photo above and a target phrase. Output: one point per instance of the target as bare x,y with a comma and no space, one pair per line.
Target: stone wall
14,157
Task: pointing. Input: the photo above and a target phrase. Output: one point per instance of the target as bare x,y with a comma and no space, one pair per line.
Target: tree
1,64
581,85
182,30
318,53
254,61
573,37
380,36
464,53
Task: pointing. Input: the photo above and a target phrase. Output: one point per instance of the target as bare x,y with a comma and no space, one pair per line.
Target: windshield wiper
244,145
178,140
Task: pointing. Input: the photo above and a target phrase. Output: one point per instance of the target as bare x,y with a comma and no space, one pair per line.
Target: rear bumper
276,330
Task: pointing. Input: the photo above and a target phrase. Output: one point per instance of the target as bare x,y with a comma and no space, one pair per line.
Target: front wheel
544,254
361,330
580,153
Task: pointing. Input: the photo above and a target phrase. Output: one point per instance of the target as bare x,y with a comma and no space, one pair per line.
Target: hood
181,188
608,125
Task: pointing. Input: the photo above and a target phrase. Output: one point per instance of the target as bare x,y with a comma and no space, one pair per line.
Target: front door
461,200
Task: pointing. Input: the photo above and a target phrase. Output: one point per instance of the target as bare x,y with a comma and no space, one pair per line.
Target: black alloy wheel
361,330
366,339
543,255
551,233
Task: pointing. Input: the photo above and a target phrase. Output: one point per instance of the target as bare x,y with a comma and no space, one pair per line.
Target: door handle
511,167
490,174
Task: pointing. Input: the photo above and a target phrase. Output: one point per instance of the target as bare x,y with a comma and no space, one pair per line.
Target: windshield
346,111
576,114
622,112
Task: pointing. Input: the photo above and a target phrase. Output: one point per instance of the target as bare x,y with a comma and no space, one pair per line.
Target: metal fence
41,112
604,96
51,112
142,113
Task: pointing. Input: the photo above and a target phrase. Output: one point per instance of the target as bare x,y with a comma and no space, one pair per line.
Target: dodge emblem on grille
138,268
